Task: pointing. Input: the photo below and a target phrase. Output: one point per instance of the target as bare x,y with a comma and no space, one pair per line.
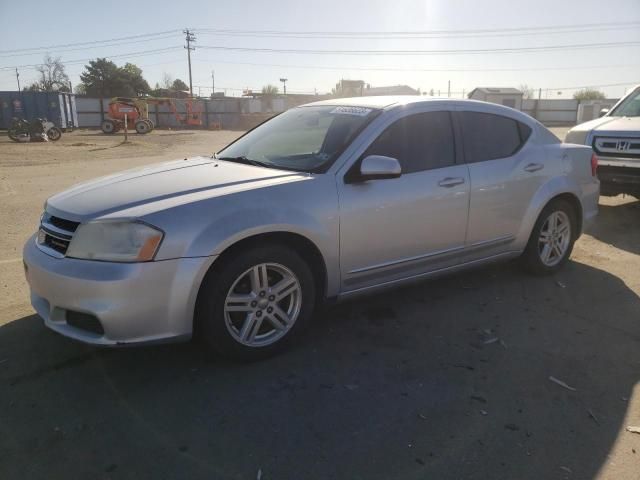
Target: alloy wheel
555,238
263,304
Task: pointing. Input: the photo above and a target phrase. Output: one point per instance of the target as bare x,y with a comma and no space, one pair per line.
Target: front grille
56,243
63,224
617,147
55,234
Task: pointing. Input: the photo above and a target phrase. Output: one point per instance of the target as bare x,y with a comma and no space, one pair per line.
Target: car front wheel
552,238
255,303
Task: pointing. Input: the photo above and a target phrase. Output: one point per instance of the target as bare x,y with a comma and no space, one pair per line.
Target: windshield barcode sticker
359,111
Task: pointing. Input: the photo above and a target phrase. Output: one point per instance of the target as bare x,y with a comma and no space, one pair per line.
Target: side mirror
377,167
603,112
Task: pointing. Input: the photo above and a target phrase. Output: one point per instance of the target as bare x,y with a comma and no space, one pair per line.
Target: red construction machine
137,113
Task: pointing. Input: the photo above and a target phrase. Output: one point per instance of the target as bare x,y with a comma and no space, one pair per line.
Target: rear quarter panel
574,177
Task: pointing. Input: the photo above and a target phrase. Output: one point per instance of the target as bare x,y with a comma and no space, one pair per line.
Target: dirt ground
402,385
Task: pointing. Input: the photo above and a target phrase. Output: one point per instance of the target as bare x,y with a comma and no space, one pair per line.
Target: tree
133,77
269,90
103,78
179,85
527,91
589,94
52,76
167,81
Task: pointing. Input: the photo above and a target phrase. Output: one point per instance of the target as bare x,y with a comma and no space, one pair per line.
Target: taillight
594,165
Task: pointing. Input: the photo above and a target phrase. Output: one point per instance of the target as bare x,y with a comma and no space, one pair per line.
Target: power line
422,34
433,69
581,46
142,53
51,47
88,47
547,29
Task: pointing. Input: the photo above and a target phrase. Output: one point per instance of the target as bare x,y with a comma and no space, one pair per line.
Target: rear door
396,228
506,168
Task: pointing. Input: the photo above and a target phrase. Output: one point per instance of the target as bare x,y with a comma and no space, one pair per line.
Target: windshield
630,106
304,138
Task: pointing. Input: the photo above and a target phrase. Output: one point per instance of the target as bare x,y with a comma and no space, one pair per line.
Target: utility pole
18,79
189,37
284,84
463,93
449,89
213,83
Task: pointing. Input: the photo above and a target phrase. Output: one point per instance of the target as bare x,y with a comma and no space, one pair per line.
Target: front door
397,228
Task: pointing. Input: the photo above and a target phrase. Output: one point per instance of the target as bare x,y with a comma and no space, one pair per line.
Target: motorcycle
40,129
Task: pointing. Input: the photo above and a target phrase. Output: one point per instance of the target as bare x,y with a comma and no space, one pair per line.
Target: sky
444,25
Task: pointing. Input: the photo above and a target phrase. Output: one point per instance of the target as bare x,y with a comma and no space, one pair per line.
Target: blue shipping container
57,107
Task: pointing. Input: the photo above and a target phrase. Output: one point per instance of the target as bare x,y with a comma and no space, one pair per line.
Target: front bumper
615,180
133,302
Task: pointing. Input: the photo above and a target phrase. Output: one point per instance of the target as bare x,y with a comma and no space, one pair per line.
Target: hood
627,126
167,182
621,125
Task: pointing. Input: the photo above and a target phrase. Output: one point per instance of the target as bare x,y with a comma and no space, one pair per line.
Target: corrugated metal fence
243,113
227,113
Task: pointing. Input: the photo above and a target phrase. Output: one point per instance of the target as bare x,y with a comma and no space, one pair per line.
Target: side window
488,137
423,141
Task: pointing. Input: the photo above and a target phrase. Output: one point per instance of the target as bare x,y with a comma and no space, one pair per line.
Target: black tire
210,323
142,127
54,134
13,134
531,259
150,123
109,127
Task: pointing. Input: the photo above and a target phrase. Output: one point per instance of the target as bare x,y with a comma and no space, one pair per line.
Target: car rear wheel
552,239
256,303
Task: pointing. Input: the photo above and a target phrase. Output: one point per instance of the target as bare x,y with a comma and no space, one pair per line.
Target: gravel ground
405,385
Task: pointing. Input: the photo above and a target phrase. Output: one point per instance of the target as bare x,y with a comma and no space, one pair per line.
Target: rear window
488,137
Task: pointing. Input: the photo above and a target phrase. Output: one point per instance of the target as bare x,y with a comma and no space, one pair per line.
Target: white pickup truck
615,138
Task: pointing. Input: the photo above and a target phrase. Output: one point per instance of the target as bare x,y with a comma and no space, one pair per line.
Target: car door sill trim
420,276
473,246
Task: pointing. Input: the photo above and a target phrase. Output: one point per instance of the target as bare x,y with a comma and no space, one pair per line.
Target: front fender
305,208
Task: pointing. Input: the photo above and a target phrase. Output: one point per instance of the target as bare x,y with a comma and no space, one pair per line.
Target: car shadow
617,225
444,379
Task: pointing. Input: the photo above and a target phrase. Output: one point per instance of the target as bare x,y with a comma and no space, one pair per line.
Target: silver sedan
325,201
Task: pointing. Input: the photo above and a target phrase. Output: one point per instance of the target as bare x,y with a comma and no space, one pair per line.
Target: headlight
115,241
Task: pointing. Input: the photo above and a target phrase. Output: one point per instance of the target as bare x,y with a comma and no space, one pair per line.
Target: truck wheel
255,304
108,126
552,239
142,127
151,124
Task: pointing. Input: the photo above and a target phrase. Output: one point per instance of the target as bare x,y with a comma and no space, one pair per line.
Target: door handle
534,167
450,182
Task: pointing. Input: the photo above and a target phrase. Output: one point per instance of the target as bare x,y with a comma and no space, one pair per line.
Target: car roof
389,102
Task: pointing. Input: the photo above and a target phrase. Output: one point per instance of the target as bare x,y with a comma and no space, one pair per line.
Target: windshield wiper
247,161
